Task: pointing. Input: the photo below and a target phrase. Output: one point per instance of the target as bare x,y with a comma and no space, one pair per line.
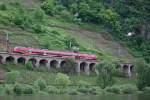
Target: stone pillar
26,60
15,61
4,60
59,62
48,65
78,68
87,69
129,71
37,64
96,71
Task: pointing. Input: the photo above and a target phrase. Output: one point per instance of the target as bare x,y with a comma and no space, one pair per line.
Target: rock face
2,75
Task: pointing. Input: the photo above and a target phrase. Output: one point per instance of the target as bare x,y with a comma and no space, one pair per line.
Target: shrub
58,9
119,73
39,29
106,70
11,77
52,90
17,20
3,6
28,89
18,89
39,15
128,89
83,84
66,15
83,90
48,7
43,93
29,65
40,84
143,70
8,89
69,66
62,80
71,40
55,32
147,89
73,92
113,89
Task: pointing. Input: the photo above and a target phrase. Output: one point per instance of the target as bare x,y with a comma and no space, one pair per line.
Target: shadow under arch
21,60
62,64
10,59
83,66
125,68
54,64
92,67
33,61
1,57
43,62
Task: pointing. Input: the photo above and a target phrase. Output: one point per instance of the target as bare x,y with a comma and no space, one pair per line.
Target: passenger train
51,53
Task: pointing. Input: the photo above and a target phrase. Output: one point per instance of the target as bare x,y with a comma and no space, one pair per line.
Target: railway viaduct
83,66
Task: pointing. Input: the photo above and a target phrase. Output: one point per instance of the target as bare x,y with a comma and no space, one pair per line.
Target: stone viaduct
83,66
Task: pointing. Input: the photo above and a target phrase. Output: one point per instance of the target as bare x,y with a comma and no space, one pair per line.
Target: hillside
55,33
114,30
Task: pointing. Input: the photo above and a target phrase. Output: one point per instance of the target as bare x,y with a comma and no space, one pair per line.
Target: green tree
29,65
143,70
40,84
62,80
48,7
69,66
105,77
11,77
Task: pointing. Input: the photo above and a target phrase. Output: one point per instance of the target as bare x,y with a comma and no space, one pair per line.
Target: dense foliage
143,70
105,70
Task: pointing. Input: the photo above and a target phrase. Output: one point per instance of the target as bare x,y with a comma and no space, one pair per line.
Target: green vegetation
62,80
43,82
69,66
126,89
105,77
11,77
94,26
40,84
143,70
29,66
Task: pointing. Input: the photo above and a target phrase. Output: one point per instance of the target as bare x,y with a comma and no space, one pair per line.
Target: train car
43,52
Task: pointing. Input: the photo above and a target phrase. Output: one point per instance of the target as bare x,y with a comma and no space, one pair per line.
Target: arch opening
21,60
1,59
125,67
43,62
132,68
91,67
10,59
83,66
33,61
54,64
62,64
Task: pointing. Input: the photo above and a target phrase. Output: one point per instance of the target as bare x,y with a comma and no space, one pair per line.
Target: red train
42,52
